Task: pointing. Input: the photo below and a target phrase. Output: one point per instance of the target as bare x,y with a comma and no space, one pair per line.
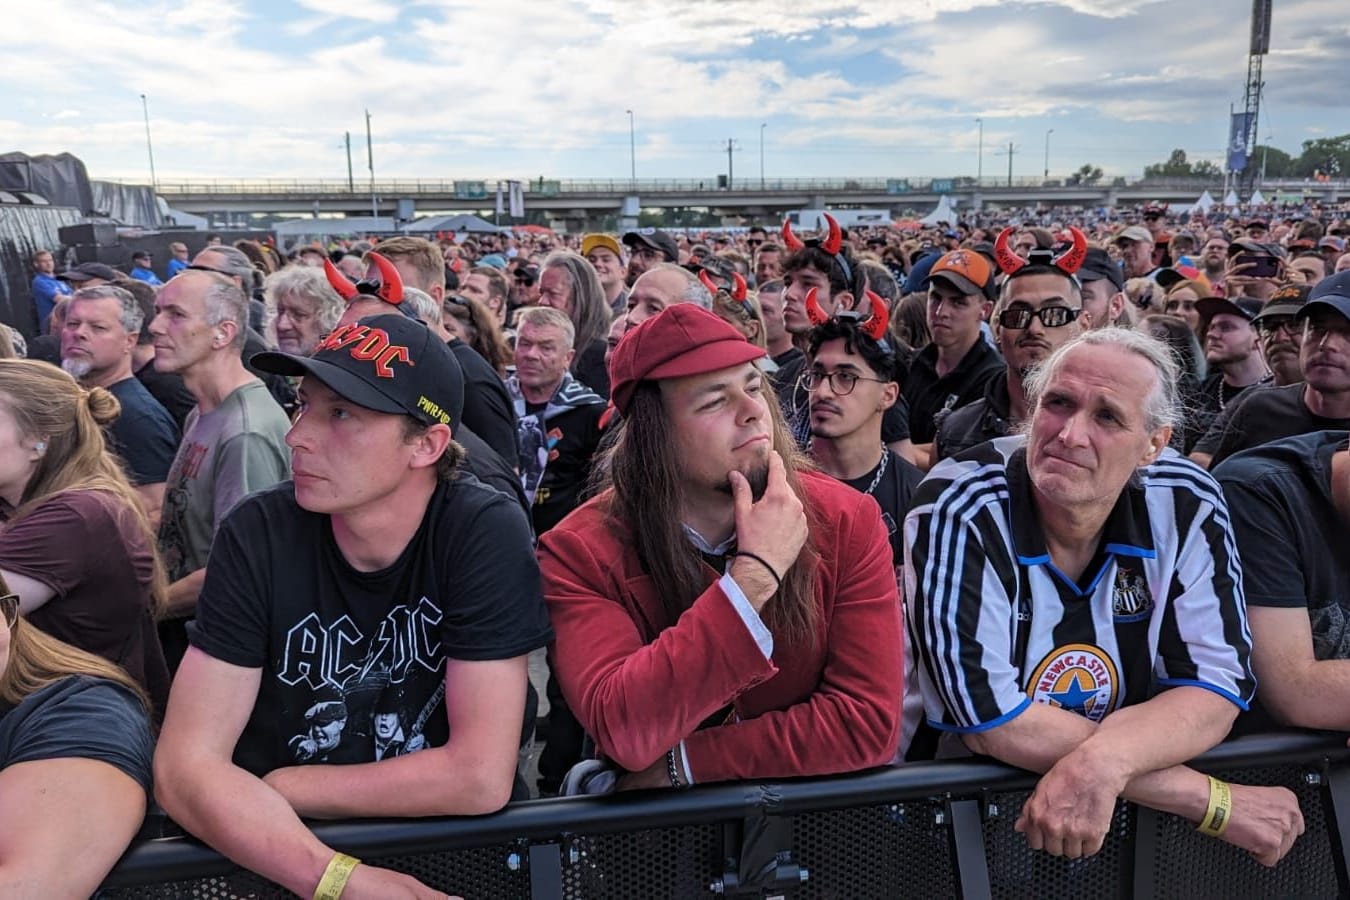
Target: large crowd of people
282,526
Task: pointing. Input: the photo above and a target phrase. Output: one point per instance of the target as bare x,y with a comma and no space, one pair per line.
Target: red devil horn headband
739,287
814,313
1007,260
790,240
390,289
346,290
874,326
707,282
1071,260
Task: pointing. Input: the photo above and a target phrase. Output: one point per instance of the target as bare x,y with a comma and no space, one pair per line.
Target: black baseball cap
1246,307
388,363
90,270
1098,265
1288,300
656,239
1332,291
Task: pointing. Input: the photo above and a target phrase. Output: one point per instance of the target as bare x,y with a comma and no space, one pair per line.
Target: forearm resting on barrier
202,789
1135,754
470,775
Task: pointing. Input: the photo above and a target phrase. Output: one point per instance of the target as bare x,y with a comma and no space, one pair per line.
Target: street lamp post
762,126
1047,151
149,148
632,149
979,158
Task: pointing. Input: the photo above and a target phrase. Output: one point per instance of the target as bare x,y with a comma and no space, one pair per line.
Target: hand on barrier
374,883
772,528
1265,822
1069,813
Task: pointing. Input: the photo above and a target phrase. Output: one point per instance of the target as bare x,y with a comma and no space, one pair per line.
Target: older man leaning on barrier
1076,600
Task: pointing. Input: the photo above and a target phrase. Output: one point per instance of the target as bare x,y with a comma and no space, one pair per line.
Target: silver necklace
881,471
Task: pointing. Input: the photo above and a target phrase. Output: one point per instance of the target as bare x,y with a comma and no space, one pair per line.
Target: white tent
1257,199
1204,204
1231,200
943,213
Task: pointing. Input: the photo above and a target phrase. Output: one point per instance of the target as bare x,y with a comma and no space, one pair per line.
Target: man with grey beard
97,341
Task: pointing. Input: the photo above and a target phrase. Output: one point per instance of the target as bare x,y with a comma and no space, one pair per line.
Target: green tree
1175,167
1328,156
1206,169
1086,174
1277,163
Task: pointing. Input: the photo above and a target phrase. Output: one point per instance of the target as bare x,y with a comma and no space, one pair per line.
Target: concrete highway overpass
575,204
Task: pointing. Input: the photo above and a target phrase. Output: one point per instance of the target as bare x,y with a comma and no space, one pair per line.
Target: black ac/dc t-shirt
354,662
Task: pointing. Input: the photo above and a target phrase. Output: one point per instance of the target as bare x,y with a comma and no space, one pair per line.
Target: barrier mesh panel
873,853
237,885
663,862
485,872
1016,871
1192,866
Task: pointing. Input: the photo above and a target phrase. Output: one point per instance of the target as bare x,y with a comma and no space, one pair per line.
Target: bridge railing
929,829
486,190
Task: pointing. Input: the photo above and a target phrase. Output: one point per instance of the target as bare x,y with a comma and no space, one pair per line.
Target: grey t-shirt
230,452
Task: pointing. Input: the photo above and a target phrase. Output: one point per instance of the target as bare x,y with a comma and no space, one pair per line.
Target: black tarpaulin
23,231
60,178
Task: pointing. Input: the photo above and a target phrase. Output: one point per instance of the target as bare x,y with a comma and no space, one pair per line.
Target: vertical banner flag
517,199
499,198
1237,141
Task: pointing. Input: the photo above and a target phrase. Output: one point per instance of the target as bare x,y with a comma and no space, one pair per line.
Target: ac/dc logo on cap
1079,678
369,345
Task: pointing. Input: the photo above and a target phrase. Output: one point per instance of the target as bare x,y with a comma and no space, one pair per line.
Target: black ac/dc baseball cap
388,363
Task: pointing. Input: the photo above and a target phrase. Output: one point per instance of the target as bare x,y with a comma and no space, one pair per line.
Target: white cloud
472,87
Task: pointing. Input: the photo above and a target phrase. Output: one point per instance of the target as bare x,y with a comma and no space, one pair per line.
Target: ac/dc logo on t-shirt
339,654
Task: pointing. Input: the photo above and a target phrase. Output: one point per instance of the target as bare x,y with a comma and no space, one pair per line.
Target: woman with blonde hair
75,751
76,545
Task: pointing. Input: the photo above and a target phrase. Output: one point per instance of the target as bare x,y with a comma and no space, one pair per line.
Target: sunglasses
1051,317
9,609
197,267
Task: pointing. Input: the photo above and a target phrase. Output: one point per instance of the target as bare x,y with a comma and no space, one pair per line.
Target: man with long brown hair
721,611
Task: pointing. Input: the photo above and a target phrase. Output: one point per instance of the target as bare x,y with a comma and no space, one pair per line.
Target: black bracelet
759,559
673,770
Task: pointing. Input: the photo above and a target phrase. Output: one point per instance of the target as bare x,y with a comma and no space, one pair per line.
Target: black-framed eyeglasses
750,242
1270,324
9,609
841,382
1019,317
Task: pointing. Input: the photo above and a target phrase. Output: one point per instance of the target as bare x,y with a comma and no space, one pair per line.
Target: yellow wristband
1220,808
335,876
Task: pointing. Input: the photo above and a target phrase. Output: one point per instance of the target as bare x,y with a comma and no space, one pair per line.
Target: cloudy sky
523,88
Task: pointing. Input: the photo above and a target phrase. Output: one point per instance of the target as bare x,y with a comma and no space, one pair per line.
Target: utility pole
149,148
1047,151
762,126
370,159
351,183
979,158
730,147
1010,152
632,150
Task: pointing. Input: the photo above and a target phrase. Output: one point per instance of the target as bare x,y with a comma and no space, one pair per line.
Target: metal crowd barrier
942,829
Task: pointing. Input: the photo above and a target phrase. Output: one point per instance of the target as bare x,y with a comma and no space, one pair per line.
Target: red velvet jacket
639,687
